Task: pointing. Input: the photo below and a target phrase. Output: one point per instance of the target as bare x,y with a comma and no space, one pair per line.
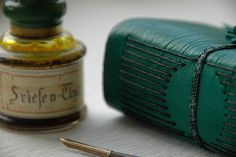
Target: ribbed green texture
35,13
148,73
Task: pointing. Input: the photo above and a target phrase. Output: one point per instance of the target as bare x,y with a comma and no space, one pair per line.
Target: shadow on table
145,126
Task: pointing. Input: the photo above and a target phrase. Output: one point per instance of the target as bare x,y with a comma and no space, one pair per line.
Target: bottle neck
35,32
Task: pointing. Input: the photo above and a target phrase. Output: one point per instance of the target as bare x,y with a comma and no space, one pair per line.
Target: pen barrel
115,154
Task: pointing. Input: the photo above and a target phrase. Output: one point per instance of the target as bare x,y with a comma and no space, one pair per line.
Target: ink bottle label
41,93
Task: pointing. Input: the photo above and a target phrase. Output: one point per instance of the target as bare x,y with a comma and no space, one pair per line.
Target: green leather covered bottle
178,75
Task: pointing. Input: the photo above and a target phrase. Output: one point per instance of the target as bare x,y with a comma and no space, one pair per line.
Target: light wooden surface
91,21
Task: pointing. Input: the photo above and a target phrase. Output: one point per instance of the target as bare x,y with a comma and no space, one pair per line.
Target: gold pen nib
85,148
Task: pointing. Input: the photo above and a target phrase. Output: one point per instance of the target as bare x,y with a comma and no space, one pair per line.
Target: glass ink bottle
41,68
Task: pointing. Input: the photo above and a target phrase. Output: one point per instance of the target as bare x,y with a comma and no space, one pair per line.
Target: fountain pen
92,150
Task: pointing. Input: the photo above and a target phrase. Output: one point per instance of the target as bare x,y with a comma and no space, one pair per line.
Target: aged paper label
40,94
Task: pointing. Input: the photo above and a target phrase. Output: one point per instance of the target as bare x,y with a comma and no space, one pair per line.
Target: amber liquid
52,52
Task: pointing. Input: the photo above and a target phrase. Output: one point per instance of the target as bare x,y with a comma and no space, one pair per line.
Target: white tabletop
91,21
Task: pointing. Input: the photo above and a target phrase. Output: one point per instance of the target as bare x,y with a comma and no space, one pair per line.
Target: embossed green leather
177,75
